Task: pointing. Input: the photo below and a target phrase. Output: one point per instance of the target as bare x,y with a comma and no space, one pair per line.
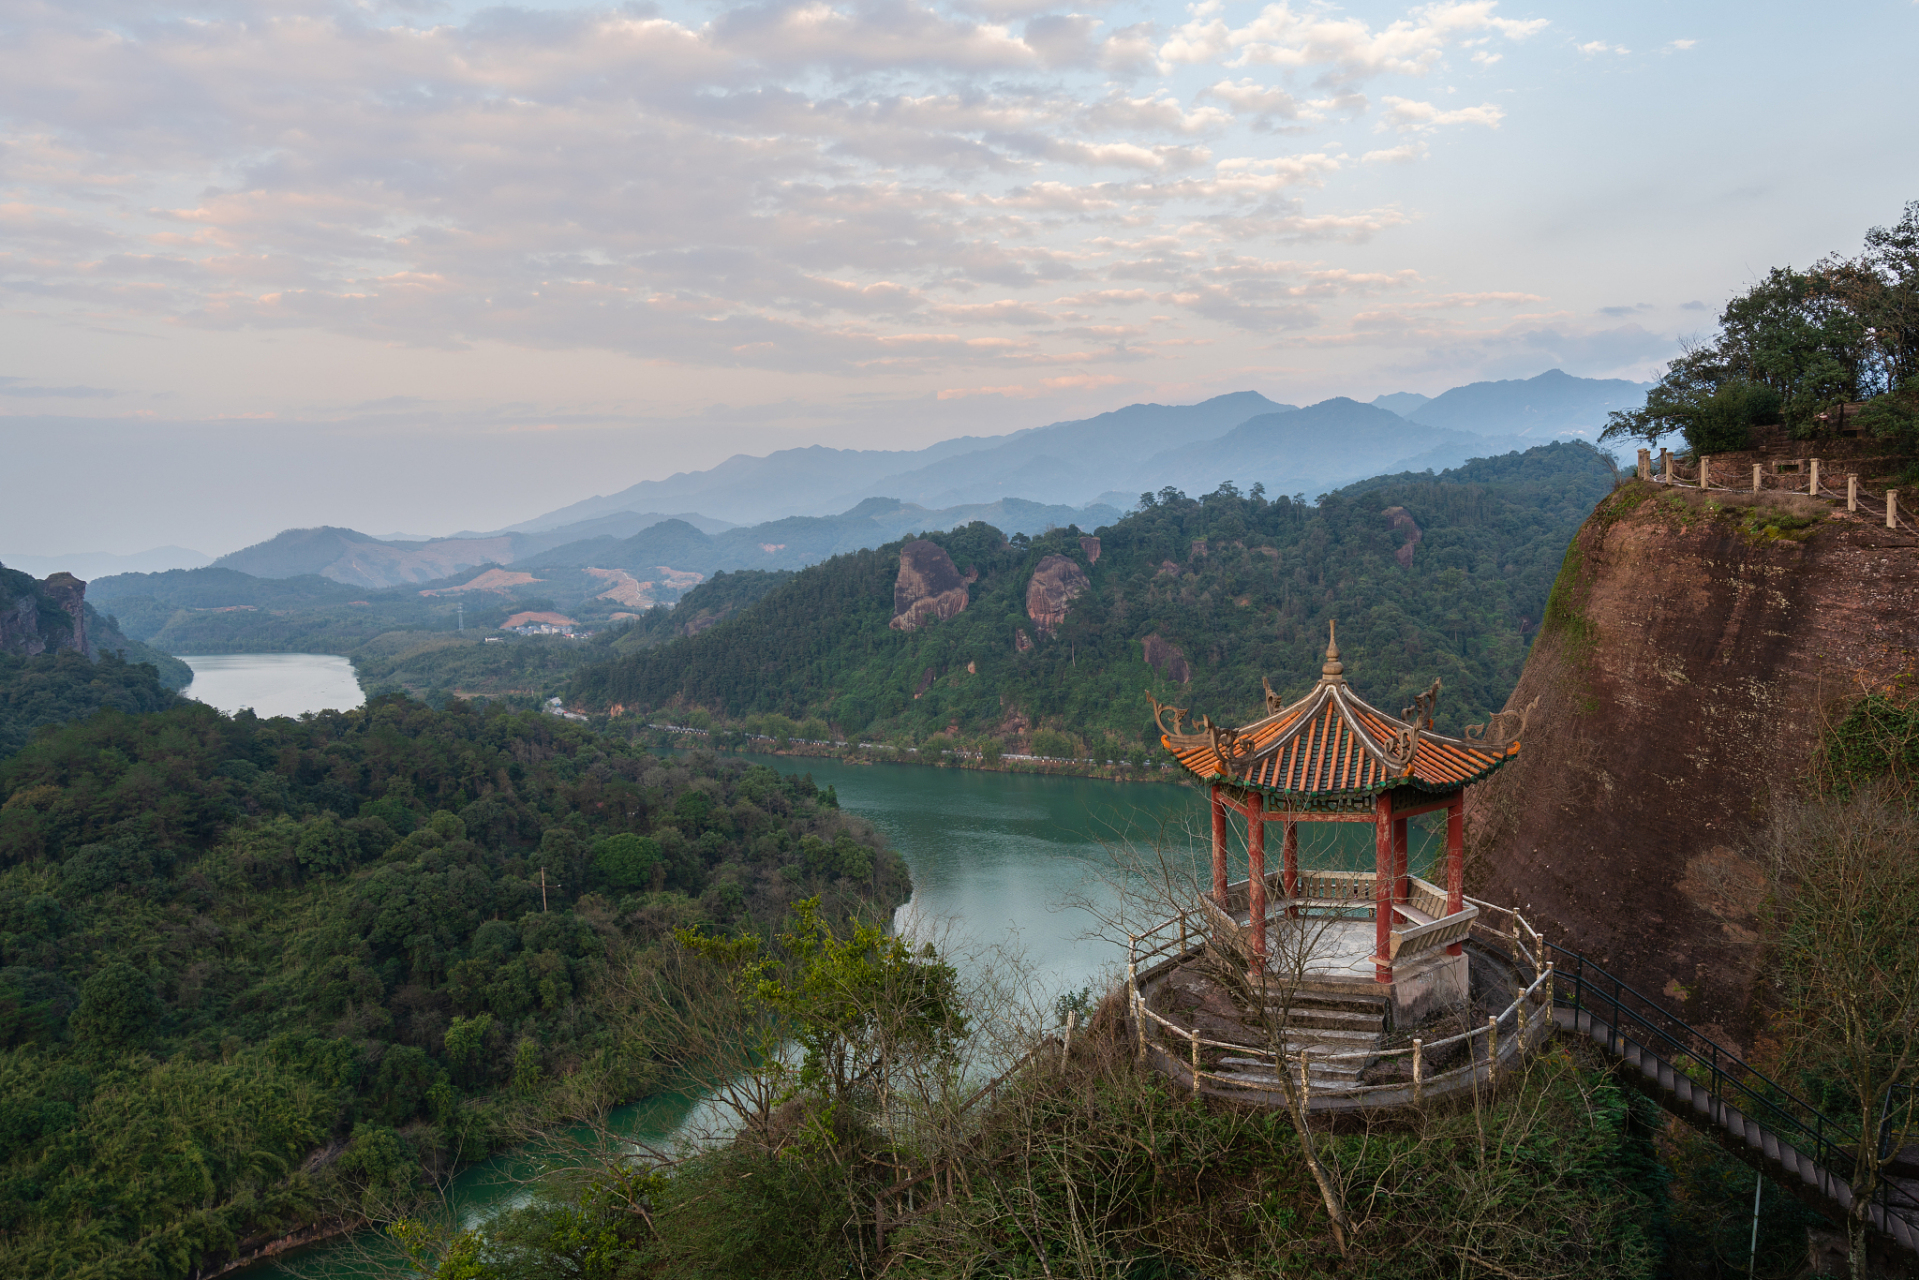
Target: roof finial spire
1334,672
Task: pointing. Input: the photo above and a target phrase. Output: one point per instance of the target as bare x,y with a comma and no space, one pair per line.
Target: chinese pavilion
1332,757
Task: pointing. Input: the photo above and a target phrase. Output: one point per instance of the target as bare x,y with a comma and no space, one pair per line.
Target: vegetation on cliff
1194,600
1797,344
260,973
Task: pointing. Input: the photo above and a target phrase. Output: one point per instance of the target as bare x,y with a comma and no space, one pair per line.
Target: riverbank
988,761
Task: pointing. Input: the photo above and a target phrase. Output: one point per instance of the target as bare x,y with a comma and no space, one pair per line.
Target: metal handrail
1587,988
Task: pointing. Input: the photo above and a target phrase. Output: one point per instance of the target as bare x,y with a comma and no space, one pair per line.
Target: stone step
1336,1020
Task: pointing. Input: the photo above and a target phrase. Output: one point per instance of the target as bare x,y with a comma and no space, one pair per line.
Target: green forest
1427,576
258,974
1796,345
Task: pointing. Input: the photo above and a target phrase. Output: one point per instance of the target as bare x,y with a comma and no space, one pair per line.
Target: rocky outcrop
928,586
42,616
1090,545
1681,674
1165,657
1049,596
1402,522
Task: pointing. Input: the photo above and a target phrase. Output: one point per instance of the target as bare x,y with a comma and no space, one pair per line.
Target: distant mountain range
796,507
641,544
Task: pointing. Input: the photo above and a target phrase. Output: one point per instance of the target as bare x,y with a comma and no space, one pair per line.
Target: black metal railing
1632,1018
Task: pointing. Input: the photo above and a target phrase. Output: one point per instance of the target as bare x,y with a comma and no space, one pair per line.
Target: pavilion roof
1331,745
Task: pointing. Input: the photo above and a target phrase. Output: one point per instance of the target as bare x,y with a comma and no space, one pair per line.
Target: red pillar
1219,848
1290,856
1402,876
1383,888
1256,876
1456,860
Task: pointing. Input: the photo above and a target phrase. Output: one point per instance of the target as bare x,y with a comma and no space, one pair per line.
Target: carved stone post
1756,471
1705,467
1645,464
1852,492
1219,848
1812,481
1665,466
1383,888
1892,508
1456,861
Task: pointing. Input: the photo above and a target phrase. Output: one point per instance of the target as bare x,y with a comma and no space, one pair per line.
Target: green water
999,860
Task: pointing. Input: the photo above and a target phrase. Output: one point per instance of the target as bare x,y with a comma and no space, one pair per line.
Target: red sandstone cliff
929,586
1680,673
1056,581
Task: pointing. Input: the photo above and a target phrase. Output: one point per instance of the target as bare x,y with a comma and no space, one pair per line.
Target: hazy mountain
797,541
1555,401
1402,402
1312,450
747,490
1071,462
100,564
1066,462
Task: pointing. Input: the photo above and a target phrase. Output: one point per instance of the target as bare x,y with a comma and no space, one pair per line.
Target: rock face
1164,657
928,586
1681,673
42,617
1403,522
1090,545
1049,596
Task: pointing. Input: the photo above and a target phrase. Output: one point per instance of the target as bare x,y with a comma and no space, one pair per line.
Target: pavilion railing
1510,1033
1343,891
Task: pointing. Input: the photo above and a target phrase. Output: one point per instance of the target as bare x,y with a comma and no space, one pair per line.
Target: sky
425,267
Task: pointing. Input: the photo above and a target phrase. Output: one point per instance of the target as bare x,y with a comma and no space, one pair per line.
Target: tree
118,1008
1848,888
626,861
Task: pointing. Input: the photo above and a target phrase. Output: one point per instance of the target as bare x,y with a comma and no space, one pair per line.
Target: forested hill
257,974
1191,599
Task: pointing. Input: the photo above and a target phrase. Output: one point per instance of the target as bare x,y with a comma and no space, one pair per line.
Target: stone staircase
1319,1022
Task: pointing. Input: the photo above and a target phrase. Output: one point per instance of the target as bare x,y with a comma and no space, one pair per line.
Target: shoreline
869,753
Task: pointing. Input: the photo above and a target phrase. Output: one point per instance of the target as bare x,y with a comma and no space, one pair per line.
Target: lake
273,684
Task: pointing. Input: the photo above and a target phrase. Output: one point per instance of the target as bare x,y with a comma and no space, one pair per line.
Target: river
999,860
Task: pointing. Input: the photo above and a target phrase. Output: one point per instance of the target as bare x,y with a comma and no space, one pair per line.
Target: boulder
1164,656
1050,594
928,586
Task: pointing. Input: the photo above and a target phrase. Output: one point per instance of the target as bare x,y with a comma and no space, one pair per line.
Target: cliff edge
1692,644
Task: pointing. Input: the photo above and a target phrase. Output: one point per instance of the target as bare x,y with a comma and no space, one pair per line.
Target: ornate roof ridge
1296,747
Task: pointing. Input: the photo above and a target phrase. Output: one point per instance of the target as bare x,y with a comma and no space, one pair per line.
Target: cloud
812,186
1594,47
1344,51
1408,116
1680,46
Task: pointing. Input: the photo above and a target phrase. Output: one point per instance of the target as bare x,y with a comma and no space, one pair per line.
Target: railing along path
1700,475
1684,1070
1694,1077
